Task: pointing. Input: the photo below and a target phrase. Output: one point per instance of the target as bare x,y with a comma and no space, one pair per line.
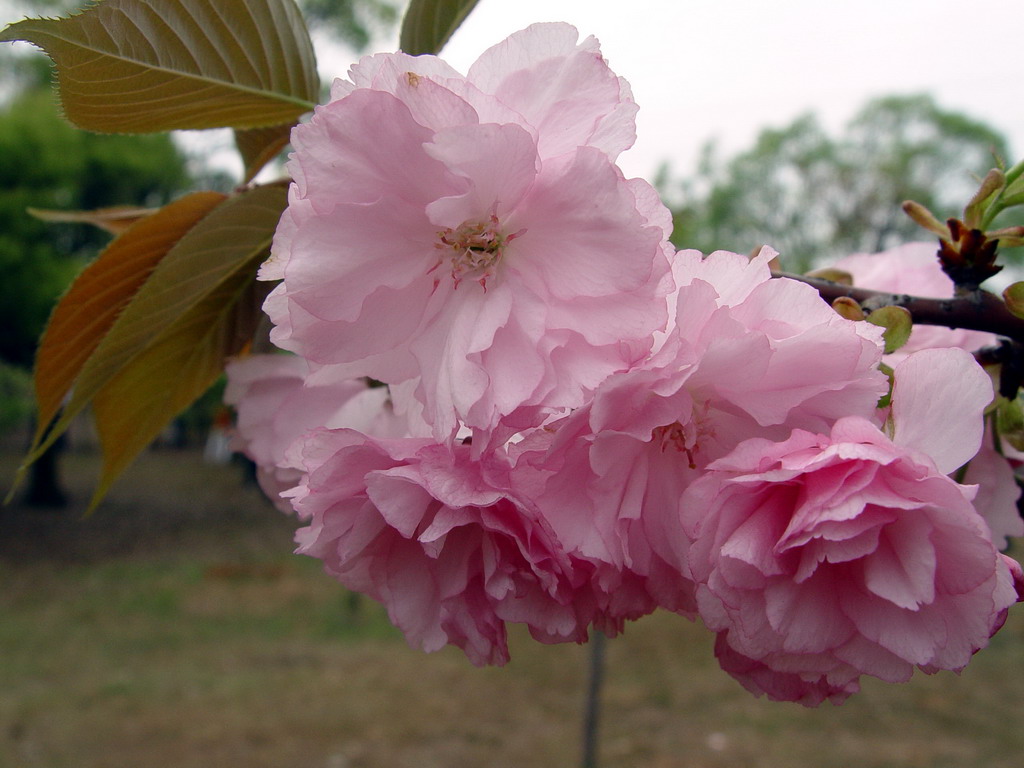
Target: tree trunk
44,488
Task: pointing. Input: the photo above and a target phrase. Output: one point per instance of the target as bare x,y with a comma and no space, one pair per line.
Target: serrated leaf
178,367
115,220
88,310
139,66
897,323
428,24
1013,295
213,251
258,146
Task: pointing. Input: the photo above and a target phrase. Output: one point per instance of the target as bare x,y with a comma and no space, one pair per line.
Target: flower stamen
684,438
476,248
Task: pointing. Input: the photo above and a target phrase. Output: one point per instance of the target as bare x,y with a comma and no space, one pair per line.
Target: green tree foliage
15,396
816,197
50,165
352,22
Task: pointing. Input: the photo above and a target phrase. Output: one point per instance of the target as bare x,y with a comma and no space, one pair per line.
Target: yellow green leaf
1011,242
1013,295
886,400
173,371
138,66
212,252
428,24
848,308
990,186
833,275
1010,422
925,218
88,310
258,146
897,323
115,220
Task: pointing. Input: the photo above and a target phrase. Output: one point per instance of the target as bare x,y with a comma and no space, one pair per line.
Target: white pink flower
746,355
540,78
581,425
472,234
834,554
441,540
998,491
277,404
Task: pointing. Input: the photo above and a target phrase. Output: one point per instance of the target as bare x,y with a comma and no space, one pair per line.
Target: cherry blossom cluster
508,398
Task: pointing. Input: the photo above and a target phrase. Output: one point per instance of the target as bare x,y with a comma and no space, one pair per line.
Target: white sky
727,68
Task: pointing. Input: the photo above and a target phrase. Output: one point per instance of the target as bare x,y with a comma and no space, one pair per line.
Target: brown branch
979,311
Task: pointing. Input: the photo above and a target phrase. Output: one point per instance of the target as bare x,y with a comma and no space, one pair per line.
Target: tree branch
979,311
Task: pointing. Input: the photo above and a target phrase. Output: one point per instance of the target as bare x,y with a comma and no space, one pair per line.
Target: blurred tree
352,22
814,197
764,195
49,164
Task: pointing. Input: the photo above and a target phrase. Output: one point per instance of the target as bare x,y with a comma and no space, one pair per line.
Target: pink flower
747,355
472,234
998,491
781,684
276,406
440,540
831,555
562,92
913,269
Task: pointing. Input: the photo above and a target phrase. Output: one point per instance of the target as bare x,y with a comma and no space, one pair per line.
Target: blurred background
174,627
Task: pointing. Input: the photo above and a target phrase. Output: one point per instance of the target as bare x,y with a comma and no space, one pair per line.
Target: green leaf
139,66
258,146
886,400
1011,200
428,24
991,185
1014,181
181,364
897,324
1010,422
1013,295
211,253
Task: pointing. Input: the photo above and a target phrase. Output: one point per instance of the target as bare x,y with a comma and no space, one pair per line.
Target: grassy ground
174,628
